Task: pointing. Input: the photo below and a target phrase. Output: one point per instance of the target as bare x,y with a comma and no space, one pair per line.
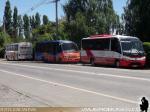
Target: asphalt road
74,85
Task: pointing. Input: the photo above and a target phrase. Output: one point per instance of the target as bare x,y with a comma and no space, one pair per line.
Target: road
74,85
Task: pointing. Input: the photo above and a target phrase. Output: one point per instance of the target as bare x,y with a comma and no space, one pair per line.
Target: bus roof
124,37
20,43
109,36
101,36
56,41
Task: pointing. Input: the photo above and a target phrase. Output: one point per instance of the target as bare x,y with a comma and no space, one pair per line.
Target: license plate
134,65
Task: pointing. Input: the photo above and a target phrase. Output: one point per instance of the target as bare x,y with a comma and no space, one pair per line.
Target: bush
4,40
147,51
2,53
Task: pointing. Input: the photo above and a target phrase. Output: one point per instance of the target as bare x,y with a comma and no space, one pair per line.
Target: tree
20,26
32,22
1,28
77,29
136,17
45,20
4,40
26,26
15,22
1,40
8,18
87,17
37,20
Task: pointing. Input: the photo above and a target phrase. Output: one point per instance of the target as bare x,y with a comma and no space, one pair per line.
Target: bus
60,51
117,50
18,51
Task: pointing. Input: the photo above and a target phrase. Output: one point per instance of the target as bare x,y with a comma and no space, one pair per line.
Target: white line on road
103,68
70,87
82,72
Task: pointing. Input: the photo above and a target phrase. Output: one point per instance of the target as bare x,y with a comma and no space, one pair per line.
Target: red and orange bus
60,51
118,50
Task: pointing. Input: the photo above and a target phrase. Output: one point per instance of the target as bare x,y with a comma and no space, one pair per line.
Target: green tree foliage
15,22
26,26
1,45
62,34
37,20
86,17
8,18
136,17
1,28
77,29
42,32
20,26
1,40
32,22
45,20
4,40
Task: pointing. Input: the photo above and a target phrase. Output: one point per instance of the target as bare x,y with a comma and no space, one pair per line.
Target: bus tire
92,62
117,64
7,58
59,60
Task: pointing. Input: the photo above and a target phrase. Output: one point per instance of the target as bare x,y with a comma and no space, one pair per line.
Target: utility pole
56,6
44,2
56,17
56,1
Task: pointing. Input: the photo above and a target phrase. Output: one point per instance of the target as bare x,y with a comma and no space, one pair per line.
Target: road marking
83,72
70,87
100,68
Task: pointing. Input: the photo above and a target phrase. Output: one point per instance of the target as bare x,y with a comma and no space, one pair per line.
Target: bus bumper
25,57
67,60
131,63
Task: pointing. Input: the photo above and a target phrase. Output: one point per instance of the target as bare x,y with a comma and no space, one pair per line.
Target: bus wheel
7,58
117,64
59,60
92,62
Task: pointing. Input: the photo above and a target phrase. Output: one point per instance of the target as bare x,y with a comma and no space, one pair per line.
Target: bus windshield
132,46
69,47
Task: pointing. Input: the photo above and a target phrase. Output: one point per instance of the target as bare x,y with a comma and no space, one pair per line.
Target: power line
47,2
35,6
38,5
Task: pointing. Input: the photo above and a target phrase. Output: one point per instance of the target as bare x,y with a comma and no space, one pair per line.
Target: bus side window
7,48
115,46
48,48
37,48
86,45
16,47
11,48
102,44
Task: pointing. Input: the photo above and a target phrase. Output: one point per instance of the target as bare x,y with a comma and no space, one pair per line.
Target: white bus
118,50
19,51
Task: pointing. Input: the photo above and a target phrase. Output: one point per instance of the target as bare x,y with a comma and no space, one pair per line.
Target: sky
48,8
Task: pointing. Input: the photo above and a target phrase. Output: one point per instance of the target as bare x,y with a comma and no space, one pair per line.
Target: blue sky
48,9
